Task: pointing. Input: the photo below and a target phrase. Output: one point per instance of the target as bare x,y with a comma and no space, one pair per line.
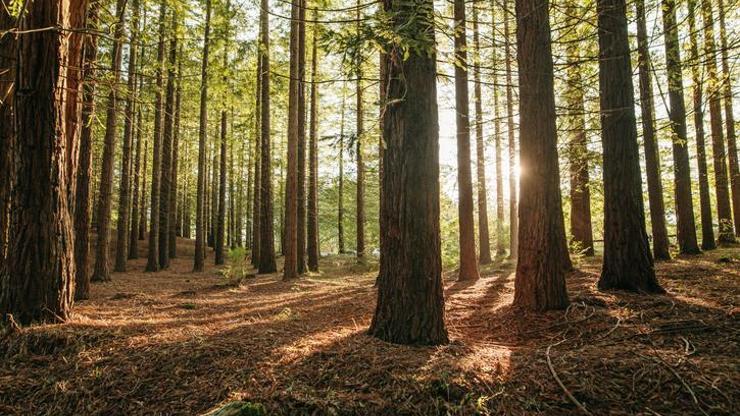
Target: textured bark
175,220
727,98
410,307
580,192
133,242
468,268
484,242
257,184
714,93
200,214
124,187
267,242
340,190
301,266
37,278
7,127
101,271
213,192
359,157
219,257
498,153
142,205
165,175
290,269
686,227
313,161
707,230
543,260
513,192
152,263
628,263
652,158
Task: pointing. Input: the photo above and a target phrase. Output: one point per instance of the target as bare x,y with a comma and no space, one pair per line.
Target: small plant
237,267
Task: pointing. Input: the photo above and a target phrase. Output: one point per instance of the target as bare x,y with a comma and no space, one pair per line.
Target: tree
652,158
410,306
340,188
175,221
165,175
301,144
359,157
37,278
133,244
313,160
628,263
257,159
714,93
705,203
686,227
498,153
480,150
101,271
513,195
221,222
290,268
543,260
7,127
200,214
468,269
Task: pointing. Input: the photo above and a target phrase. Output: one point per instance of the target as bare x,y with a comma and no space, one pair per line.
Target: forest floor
175,342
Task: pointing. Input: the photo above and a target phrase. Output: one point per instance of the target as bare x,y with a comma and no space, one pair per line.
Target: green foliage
240,408
237,267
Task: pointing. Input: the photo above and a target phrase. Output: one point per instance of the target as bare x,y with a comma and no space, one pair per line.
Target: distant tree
200,214
359,148
313,159
290,268
513,193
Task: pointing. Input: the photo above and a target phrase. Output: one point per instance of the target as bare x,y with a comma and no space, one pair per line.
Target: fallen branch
562,386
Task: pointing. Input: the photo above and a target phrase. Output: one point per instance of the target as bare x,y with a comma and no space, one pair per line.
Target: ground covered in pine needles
182,343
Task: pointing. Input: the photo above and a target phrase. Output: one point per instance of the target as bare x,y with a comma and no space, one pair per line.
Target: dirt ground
175,342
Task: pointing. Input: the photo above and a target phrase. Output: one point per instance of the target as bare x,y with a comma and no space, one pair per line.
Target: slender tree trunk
175,219
290,270
730,116
200,214
313,160
165,175
340,198
468,269
7,126
152,264
480,153
500,243
143,208
707,230
301,143
221,220
410,306
257,184
544,260
267,242
133,244
628,263
360,223
513,192
686,227
714,93
652,158
214,207
37,278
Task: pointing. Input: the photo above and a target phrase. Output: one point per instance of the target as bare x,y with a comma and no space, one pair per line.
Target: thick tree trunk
7,126
301,145
484,242
498,153
513,192
165,175
200,214
101,271
37,278
543,260
652,158
686,227
468,268
410,307
152,264
628,263
313,161
267,242
290,269
714,93
707,230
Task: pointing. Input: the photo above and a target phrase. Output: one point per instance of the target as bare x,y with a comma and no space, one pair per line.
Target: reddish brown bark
200,212
312,246
267,243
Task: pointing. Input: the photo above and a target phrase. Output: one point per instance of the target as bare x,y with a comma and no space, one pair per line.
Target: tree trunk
410,307
37,278
360,223
152,264
290,269
544,260
257,184
707,230
267,242
101,271
200,215
628,263
221,221
7,126
686,227
175,220
301,145
166,185
480,150
714,92
143,208
500,243
468,269
652,158
214,206
313,161
340,197
133,244
513,193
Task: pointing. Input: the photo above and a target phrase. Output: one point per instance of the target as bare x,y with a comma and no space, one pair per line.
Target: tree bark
133,244
143,207
513,192
410,306
340,197
498,153
200,214
175,220
257,184
628,263
543,260
313,160
468,268
652,158
290,269
360,132
7,126
301,148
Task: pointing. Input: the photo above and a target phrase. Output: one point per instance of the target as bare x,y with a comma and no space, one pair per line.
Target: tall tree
142,204
410,306
578,158
101,271
707,230
513,194
543,260
7,127
313,159
290,268
301,144
714,93
359,157
174,219
340,185
480,149
686,227
200,214
168,136
133,244
257,183
498,152
152,263
468,268
628,263
221,222
37,278
652,158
